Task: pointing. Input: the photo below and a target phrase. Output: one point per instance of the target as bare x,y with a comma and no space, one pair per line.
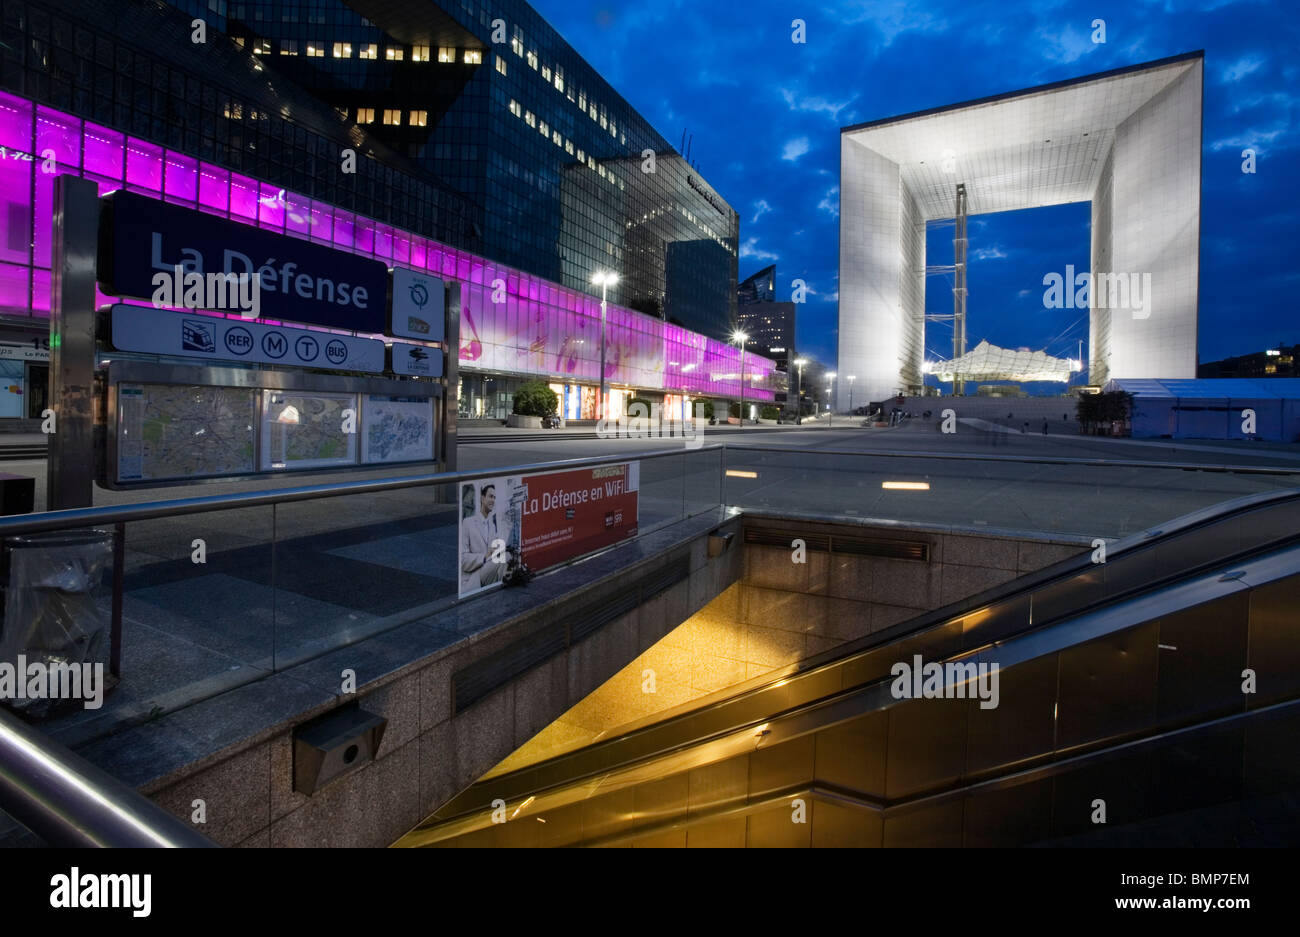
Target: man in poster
477,533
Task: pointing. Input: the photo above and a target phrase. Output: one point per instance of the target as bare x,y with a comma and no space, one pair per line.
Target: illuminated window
393,118
289,47
532,60
529,119
393,55
559,78
419,119
419,53
370,51
238,40
517,42
315,51
515,108
501,64
343,50
446,54
582,100
591,162
556,138
543,129
261,46
592,111
613,131
568,147
472,57
582,157
365,115
546,73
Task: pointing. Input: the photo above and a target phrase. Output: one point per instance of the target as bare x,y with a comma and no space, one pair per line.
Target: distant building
1280,361
769,324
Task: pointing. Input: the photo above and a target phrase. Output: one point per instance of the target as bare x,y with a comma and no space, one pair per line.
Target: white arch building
1128,141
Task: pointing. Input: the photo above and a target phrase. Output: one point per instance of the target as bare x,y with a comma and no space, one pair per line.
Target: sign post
70,463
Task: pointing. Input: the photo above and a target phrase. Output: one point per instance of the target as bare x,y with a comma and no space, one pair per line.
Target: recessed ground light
906,486
737,473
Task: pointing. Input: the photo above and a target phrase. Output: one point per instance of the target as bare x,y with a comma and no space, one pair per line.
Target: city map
397,429
184,431
304,429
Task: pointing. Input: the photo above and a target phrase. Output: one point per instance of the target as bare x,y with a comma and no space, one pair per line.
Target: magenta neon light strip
510,321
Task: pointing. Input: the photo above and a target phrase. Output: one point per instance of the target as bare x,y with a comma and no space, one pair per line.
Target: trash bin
57,615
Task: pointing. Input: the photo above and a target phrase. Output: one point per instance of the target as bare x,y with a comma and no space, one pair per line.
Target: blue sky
766,115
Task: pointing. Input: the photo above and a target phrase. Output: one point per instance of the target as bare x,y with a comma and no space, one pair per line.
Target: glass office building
563,176
122,95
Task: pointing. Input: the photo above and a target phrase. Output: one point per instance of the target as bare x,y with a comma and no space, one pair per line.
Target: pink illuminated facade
512,324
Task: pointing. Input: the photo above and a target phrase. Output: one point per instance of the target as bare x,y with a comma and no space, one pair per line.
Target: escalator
1148,696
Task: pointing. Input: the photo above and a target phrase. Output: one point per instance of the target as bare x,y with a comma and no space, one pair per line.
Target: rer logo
336,352
307,348
239,341
197,335
274,345
419,295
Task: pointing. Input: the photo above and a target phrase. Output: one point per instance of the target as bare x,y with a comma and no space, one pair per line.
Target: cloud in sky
988,253
795,148
1239,69
830,202
750,250
815,104
761,208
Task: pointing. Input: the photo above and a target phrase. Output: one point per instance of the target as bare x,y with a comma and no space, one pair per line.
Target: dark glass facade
769,324
561,175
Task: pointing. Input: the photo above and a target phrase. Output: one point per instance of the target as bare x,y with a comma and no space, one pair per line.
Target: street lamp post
851,378
604,279
830,407
798,401
740,338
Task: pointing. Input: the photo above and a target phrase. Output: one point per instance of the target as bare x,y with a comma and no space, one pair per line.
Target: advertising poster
542,520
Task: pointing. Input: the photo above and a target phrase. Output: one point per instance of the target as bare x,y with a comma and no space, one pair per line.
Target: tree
534,398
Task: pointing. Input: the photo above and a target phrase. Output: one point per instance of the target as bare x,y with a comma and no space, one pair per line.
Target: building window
582,100
392,118
238,40
568,147
393,55
501,64
419,53
592,111
582,157
529,119
556,138
515,108
559,78
517,42
472,57
546,73
370,51
365,115
343,50
289,47
419,118
315,51
446,54
261,46
532,60
543,129
613,131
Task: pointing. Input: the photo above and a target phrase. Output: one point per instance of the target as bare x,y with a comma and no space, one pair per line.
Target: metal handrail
67,801
1032,460
150,510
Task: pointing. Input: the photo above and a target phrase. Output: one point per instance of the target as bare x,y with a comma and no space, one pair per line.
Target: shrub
640,407
534,398
769,412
